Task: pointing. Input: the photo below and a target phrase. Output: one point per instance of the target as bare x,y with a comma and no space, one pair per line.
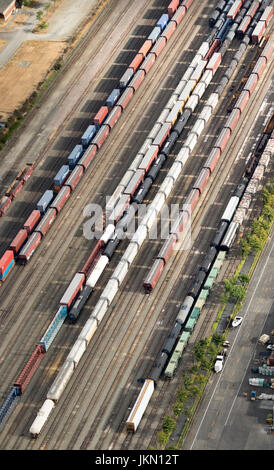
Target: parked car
270,347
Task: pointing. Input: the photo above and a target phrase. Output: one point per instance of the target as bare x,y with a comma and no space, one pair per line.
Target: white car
270,347
237,321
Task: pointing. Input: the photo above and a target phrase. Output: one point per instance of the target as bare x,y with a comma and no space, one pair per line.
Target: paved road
227,419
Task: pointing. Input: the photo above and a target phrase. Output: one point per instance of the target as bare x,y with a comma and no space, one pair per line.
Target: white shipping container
199,89
213,100
136,162
187,90
154,131
112,200
189,71
109,231
140,405
41,418
166,186
198,127
203,49
191,141
97,271
74,284
207,77
162,118
140,235
179,88
149,219
61,381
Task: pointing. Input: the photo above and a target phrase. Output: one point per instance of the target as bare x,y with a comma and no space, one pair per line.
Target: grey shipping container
45,200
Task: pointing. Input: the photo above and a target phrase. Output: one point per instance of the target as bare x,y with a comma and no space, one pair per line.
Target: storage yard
93,332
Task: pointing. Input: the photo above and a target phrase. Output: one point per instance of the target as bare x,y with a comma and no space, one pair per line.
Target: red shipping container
191,201
46,221
113,117
180,13
137,79
136,61
75,177
146,47
32,221
159,45
5,261
29,248
179,224
19,240
214,62
212,159
172,7
243,26
100,116
242,100
61,199
148,62
87,157
153,275
231,122
125,97
214,46
169,30
223,139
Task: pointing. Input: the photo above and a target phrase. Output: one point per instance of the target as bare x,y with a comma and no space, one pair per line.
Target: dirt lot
3,42
30,63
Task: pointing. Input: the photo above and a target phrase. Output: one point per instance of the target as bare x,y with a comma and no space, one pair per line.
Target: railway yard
131,315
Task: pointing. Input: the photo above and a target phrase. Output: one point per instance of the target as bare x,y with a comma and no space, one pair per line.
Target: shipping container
74,156
19,241
172,7
101,136
251,83
100,117
136,61
149,158
163,21
113,117
126,78
268,49
60,381
61,199
145,47
234,9
61,177
32,221
202,180
223,139
180,13
30,368
41,418
155,33
214,62
167,248
242,100
135,181
45,200
88,135
258,32
213,158
232,120
260,65
6,263
267,14
113,97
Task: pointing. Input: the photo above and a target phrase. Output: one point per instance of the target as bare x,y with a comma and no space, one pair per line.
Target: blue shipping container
54,327
155,33
87,136
61,176
113,97
162,22
45,201
74,156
